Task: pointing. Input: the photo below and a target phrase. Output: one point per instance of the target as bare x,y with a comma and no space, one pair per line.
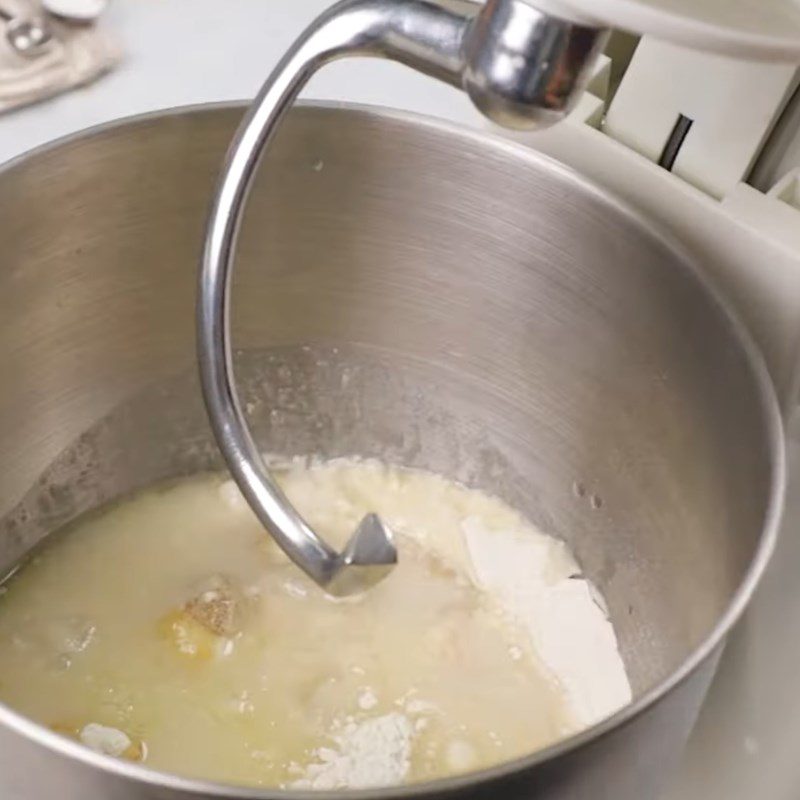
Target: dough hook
521,67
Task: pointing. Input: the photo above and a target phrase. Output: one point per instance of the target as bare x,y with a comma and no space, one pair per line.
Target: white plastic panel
764,29
775,215
733,105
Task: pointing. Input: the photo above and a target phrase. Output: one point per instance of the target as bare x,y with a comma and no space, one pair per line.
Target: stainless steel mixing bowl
410,291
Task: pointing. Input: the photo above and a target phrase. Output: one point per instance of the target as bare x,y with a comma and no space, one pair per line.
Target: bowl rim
771,421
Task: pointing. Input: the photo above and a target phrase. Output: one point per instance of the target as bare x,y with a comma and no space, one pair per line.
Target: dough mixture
169,629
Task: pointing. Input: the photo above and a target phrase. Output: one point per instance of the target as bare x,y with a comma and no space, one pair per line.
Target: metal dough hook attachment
521,67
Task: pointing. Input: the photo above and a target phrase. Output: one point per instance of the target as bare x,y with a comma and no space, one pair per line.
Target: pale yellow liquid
88,635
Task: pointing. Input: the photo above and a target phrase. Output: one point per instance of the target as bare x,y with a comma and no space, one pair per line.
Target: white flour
370,753
529,574
530,577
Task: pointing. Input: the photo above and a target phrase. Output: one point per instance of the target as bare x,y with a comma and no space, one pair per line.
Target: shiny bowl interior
404,291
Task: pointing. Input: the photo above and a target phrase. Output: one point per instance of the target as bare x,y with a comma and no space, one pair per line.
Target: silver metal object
521,67
409,291
30,37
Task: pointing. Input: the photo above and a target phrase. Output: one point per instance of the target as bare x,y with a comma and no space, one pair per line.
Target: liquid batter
170,629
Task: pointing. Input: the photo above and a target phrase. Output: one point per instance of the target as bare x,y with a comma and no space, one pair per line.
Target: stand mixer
649,143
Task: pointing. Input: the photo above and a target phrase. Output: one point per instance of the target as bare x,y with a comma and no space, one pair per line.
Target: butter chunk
104,740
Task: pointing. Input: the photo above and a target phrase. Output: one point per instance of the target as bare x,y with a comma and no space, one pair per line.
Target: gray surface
746,741
180,52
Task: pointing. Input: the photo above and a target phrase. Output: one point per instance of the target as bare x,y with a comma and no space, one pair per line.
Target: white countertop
180,52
